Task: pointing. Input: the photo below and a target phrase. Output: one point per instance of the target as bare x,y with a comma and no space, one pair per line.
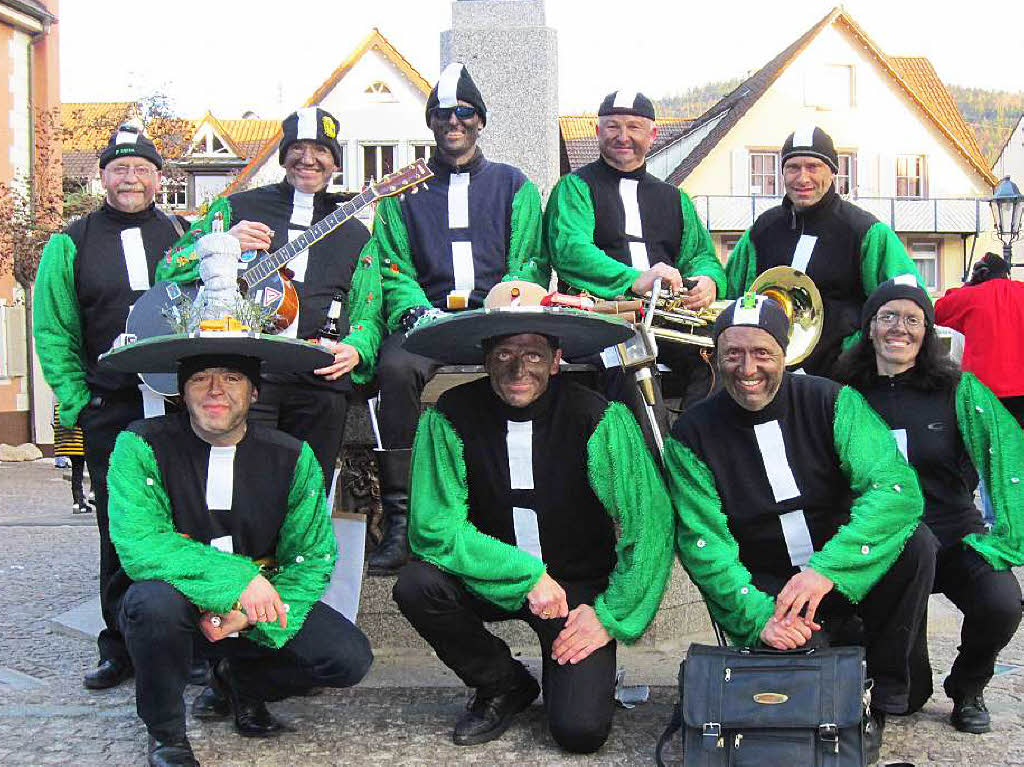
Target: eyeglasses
890,319
444,114
141,171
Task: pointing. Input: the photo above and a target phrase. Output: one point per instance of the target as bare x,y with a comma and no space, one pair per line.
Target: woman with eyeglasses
951,428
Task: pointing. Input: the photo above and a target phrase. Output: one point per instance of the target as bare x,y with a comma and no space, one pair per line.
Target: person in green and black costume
223,528
796,511
612,228
89,276
519,481
845,250
950,427
310,406
476,223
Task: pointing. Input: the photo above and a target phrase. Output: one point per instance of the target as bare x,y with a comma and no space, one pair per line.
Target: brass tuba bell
792,289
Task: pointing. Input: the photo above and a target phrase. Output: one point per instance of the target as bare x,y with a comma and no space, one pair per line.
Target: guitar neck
266,267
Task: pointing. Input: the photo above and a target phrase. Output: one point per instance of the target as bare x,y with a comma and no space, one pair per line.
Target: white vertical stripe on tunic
462,266
458,201
900,435
638,258
802,252
519,441
631,206
798,538
220,478
776,464
302,209
524,521
135,258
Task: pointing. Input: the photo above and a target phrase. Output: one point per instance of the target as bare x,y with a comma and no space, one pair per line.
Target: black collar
636,173
129,219
471,166
323,197
815,211
537,409
732,410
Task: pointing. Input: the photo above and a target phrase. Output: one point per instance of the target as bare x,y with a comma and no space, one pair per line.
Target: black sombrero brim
161,353
458,339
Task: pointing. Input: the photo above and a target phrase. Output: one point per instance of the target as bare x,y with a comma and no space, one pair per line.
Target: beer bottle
331,331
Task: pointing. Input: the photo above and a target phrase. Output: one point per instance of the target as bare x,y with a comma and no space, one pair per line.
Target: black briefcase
754,707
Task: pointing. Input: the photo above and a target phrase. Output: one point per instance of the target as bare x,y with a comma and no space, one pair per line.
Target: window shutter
886,175
740,172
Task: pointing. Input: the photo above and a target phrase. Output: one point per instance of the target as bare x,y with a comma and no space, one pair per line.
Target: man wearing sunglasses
89,276
477,223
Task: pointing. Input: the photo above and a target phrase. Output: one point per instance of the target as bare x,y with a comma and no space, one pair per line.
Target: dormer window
208,144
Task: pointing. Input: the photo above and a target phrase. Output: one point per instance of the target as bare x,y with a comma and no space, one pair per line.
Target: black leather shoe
393,550
199,672
211,704
252,719
171,753
971,715
109,673
488,718
873,737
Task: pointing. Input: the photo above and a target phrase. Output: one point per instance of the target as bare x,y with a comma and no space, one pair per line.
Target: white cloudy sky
269,55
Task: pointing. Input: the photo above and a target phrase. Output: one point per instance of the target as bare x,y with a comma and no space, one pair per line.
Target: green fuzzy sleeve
741,267
180,264
887,504
150,549
569,238
366,312
399,281
439,528
527,259
57,328
708,550
625,480
697,255
995,443
305,554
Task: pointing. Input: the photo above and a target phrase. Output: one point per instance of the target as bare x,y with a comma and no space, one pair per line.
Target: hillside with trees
992,114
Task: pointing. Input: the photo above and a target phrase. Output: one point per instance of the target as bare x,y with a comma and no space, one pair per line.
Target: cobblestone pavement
401,715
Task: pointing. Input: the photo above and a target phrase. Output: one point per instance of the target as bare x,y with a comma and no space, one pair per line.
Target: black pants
892,612
990,602
100,426
402,377
310,413
161,630
579,699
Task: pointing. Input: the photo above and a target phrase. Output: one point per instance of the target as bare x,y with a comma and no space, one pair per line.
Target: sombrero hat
161,354
457,339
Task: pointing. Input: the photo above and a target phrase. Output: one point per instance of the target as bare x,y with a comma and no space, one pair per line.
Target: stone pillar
513,58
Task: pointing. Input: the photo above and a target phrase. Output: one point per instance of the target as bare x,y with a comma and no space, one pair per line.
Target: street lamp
1007,206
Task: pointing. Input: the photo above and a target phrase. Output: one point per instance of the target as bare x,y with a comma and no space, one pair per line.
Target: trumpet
791,288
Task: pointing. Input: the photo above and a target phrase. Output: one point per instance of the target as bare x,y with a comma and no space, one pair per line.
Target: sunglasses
461,111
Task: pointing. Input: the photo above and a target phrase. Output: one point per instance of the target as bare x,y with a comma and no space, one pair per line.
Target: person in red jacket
989,311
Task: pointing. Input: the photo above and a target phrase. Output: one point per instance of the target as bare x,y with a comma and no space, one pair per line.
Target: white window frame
378,146
427,146
918,249
851,177
764,154
922,176
181,188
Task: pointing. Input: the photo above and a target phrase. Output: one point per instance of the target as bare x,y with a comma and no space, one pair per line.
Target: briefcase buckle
829,733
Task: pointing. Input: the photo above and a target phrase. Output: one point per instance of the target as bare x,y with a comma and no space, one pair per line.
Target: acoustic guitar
265,282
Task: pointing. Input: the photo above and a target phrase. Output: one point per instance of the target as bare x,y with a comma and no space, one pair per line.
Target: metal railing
725,213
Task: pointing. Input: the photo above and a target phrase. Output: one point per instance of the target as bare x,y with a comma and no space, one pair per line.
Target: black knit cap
754,311
903,286
247,366
626,103
129,140
311,124
811,141
456,85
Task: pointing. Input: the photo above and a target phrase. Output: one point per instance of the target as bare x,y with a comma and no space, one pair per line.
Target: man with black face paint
518,481
475,224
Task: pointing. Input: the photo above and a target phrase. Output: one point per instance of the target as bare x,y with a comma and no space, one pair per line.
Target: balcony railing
725,213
